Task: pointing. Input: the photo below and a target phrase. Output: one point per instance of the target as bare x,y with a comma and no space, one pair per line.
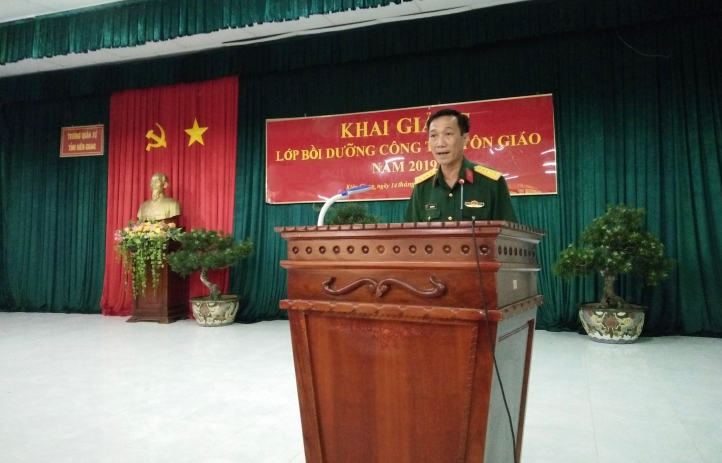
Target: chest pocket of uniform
432,215
475,213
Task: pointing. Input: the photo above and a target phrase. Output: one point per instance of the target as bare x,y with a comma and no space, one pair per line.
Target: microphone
333,199
461,182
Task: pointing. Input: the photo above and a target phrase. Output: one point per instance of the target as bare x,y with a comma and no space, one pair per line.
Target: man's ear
466,138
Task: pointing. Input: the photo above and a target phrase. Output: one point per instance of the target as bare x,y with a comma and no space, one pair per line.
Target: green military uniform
484,191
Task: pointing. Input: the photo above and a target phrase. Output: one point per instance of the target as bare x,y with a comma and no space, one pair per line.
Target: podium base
166,304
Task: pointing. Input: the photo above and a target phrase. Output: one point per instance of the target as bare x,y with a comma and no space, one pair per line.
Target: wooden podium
392,345
168,303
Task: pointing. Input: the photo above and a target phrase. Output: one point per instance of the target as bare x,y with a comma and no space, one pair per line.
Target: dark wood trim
525,387
304,382
415,312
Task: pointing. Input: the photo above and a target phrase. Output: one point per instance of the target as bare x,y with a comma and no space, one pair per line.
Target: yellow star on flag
196,133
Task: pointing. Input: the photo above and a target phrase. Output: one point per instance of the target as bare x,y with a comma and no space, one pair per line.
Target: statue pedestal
167,303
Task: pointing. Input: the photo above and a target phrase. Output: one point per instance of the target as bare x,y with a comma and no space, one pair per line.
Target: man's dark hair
462,119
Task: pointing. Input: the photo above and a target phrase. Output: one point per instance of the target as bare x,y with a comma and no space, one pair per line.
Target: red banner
188,132
81,141
311,159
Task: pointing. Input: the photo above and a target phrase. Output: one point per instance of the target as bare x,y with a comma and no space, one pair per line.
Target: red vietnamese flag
188,132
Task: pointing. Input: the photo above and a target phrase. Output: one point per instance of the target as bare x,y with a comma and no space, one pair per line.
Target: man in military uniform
458,189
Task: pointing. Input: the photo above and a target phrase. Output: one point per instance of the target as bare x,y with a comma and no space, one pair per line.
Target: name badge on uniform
474,204
431,207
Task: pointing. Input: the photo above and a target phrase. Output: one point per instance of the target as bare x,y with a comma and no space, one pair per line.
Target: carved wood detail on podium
379,288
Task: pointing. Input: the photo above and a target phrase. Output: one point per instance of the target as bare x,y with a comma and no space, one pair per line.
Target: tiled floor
85,388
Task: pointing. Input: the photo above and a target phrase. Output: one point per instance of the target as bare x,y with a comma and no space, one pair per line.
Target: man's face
157,185
446,141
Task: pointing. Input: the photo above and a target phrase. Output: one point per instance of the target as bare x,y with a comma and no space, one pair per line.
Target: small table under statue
167,303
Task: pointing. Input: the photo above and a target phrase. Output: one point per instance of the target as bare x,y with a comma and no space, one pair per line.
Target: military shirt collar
466,172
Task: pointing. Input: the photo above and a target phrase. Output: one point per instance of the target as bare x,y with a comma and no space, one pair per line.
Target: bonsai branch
215,292
202,250
610,297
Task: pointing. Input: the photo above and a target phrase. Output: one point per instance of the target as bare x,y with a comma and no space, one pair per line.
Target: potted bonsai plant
202,250
612,245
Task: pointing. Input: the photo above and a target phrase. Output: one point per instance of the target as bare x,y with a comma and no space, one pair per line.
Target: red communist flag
188,132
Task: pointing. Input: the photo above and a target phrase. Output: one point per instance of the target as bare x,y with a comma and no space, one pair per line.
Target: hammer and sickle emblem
159,141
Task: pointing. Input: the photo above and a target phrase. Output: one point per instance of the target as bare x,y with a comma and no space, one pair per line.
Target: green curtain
631,128
4,150
52,232
132,23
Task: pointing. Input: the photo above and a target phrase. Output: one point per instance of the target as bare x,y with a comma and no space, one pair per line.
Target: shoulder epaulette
486,172
424,176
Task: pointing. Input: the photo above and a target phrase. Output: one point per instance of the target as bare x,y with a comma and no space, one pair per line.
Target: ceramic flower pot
612,326
215,313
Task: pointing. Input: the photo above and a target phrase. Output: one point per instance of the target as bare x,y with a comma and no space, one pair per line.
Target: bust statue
159,207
